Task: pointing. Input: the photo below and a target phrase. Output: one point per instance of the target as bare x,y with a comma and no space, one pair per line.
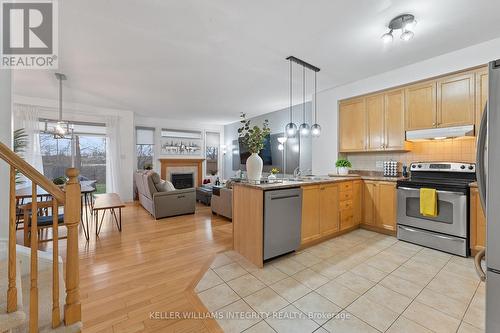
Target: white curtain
27,117
113,155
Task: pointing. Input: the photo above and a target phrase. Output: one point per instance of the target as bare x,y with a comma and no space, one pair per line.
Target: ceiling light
62,127
316,130
282,139
291,129
440,138
406,23
281,147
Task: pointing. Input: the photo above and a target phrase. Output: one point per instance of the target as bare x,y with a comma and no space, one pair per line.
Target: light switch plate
379,164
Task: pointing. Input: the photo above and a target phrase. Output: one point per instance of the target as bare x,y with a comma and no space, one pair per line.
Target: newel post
72,208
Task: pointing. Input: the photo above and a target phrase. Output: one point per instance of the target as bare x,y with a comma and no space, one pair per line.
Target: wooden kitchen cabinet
394,136
477,222
481,80
328,208
310,213
369,199
420,106
375,116
357,187
352,125
380,205
455,100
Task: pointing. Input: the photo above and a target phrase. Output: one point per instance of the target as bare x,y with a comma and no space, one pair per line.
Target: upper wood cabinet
328,208
375,116
421,106
481,94
352,125
394,120
455,100
310,213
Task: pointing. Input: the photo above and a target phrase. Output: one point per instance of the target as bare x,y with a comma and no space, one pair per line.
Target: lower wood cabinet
310,213
477,222
328,209
380,204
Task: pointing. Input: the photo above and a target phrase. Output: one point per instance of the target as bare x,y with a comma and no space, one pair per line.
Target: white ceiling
209,60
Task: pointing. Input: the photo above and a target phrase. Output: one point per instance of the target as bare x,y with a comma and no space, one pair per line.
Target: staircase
34,294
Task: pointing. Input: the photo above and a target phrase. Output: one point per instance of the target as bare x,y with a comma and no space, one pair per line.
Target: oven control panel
443,167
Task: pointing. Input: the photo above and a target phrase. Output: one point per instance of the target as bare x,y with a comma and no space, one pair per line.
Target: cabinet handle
434,124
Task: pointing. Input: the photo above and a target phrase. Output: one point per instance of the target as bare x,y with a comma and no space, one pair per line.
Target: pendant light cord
315,98
291,114
304,94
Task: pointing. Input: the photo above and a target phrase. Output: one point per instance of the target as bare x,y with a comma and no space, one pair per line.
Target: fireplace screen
182,180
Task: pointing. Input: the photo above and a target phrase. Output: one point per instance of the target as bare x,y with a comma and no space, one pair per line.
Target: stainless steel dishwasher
282,221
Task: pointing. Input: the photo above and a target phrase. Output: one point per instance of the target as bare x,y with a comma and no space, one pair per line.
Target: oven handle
433,234
416,189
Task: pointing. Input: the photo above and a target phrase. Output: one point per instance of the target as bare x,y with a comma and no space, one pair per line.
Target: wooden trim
30,172
378,229
33,319
165,163
326,237
56,315
12,289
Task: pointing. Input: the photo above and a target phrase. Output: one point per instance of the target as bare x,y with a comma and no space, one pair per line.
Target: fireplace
182,180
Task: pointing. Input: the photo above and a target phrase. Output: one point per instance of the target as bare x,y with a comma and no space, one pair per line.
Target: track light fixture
406,23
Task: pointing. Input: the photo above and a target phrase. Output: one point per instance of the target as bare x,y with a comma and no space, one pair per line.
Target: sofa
222,201
160,198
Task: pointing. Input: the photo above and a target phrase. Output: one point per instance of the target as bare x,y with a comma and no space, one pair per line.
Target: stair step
75,328
9,321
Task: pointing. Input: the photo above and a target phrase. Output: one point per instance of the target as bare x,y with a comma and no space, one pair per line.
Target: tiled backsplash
454,150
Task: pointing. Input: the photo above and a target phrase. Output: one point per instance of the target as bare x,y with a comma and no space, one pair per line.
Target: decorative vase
271,178
254,168
342,171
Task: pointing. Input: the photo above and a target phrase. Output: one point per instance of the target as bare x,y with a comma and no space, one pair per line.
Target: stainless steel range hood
440,133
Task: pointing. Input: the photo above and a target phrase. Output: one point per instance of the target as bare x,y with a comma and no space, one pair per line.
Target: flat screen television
265,153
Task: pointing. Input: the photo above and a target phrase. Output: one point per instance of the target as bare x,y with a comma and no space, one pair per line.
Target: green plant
275,171
253,137
343,163
59,180
20,142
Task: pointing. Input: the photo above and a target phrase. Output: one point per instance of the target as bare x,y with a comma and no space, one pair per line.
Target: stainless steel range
449,230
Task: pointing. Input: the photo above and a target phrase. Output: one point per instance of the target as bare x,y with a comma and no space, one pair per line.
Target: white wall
5,138
86,113
325,149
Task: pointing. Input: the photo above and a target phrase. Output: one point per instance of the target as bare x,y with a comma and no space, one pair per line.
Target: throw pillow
169,186
161,186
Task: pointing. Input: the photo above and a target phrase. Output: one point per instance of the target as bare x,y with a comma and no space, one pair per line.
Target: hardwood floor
147,268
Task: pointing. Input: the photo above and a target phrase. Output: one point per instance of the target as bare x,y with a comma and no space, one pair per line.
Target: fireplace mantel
166,163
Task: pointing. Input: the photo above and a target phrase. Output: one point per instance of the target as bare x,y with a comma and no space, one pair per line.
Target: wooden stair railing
70,197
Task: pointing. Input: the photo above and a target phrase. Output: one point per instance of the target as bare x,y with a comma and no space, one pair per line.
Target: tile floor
359,282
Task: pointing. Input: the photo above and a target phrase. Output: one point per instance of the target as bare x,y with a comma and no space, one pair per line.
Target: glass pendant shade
304,129
387,37
291,130
316,130
407,35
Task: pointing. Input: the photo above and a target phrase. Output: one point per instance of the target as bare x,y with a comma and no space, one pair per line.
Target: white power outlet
379,164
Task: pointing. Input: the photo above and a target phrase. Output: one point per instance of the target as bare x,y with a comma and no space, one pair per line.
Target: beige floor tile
364,233
247,265
230,271
290,289
384,262
454,286
233,255
348,323
401,286
430,318
421,278
288,266
422,257
317,307
218,297
386,297
338,294
266,300
467,328
418,265
435,254
246,285
261,327
321,330
247,317
463,261
310,278
209,280
462,270
405,325
369,272
321,251
329,270
269,274
307,259
291,320
476,312
220,260
443,303
355,282
373,314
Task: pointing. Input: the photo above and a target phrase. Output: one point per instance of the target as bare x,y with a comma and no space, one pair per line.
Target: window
212,146
84,149
145,138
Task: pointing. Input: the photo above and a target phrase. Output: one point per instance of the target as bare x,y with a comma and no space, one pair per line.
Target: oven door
452,212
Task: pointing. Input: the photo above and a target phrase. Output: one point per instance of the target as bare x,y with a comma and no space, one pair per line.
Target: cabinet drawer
345,204
347,186
345,195
347,214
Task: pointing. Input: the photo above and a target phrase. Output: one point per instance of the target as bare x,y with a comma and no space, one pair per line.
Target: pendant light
315,129
291,128
304,127
62,127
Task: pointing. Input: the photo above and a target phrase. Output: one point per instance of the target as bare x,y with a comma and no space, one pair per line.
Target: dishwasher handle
284,196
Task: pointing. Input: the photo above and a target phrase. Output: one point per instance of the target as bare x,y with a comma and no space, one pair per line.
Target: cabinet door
386,206
310,213
481,94
455,100
352,125
477,222
369,197
394,120
421,106
375,122
356,202
328,209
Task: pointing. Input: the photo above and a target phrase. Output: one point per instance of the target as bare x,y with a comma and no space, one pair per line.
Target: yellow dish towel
428,202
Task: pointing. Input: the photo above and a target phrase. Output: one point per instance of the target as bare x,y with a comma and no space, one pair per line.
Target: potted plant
59,181
343,166
272,177
253,137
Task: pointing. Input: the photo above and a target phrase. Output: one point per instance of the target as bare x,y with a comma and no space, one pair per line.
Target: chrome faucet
296,172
